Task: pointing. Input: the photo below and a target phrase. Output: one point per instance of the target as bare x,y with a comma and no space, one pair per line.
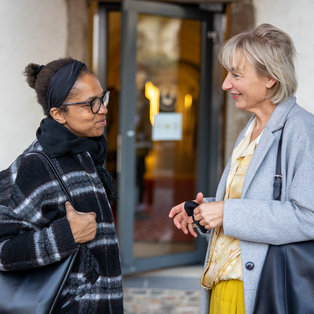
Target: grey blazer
256,219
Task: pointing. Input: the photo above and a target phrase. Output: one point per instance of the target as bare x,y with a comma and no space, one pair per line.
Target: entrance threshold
182,278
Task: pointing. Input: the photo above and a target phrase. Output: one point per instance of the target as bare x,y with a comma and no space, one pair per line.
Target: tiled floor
151,218
170,291
161,301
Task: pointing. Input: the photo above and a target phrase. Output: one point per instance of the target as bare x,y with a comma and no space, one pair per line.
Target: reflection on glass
152,94
113,79
167,81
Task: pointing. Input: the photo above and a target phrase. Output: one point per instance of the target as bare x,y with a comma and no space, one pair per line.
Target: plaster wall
30,31
296,18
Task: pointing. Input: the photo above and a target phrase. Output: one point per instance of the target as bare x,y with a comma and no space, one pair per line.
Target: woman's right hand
180,218
83,225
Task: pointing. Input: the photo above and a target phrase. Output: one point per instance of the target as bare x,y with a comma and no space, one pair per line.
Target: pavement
168,291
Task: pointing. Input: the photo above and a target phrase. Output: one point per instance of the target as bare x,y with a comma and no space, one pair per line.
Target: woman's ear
270,82
58,115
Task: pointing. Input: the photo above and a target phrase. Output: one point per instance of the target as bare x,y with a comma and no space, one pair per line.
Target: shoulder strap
57,174
278,176
69,261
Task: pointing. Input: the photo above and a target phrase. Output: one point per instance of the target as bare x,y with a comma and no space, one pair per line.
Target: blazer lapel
261,151
275,123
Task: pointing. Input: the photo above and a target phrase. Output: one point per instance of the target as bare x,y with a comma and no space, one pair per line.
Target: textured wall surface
30,31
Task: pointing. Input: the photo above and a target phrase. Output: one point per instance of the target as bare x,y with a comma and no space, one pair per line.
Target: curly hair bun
31,71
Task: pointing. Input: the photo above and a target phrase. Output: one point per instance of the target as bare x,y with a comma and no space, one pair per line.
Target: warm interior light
187,101
152,93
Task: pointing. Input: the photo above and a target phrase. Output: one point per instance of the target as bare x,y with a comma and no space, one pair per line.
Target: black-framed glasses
95,103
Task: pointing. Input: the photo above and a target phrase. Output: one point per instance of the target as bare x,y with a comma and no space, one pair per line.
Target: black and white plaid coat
35,232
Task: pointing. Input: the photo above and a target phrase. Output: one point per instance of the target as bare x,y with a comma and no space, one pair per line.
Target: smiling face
247,88
79,118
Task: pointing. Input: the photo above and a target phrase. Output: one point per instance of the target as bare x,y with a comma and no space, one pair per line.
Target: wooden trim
77,41
92,10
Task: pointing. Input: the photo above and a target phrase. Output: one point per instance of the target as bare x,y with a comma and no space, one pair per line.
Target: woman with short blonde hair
243,219
271,52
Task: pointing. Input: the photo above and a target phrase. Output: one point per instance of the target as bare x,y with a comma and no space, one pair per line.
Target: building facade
170,127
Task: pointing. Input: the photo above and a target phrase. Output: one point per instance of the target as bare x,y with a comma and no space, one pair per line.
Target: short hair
38,77
271,51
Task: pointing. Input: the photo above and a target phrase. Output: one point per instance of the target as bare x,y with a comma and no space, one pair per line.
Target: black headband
62,82
38,70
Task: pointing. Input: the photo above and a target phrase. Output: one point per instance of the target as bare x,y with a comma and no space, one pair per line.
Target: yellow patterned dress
223,271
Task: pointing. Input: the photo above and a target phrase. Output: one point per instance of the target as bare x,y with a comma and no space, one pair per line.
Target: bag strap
71,259
278,176
57,174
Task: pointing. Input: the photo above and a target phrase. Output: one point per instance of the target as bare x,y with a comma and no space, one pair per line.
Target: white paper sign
167,127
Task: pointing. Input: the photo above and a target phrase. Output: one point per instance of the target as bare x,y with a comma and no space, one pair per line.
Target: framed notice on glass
167,127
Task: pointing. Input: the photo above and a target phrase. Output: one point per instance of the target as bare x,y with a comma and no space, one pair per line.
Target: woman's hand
180,218
210,215
83,225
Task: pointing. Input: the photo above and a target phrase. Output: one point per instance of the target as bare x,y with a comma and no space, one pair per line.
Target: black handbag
286,284
36,291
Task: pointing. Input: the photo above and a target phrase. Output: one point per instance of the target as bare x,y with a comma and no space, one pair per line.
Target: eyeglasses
95,103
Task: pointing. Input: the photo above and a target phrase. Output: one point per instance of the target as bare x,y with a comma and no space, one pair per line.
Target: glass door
167,102
160,113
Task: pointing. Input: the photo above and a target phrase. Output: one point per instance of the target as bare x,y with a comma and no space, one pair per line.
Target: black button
249,265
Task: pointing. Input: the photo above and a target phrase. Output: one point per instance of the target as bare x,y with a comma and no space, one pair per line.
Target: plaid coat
34,230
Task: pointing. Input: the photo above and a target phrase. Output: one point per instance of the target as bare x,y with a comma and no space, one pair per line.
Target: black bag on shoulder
286,284
35,291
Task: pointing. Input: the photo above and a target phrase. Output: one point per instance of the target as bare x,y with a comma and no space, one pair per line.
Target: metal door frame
208,119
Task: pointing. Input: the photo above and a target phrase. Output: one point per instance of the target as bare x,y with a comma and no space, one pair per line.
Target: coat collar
275,123
277,118
279,115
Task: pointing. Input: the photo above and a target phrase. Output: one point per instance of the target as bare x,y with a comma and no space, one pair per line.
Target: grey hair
271,51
